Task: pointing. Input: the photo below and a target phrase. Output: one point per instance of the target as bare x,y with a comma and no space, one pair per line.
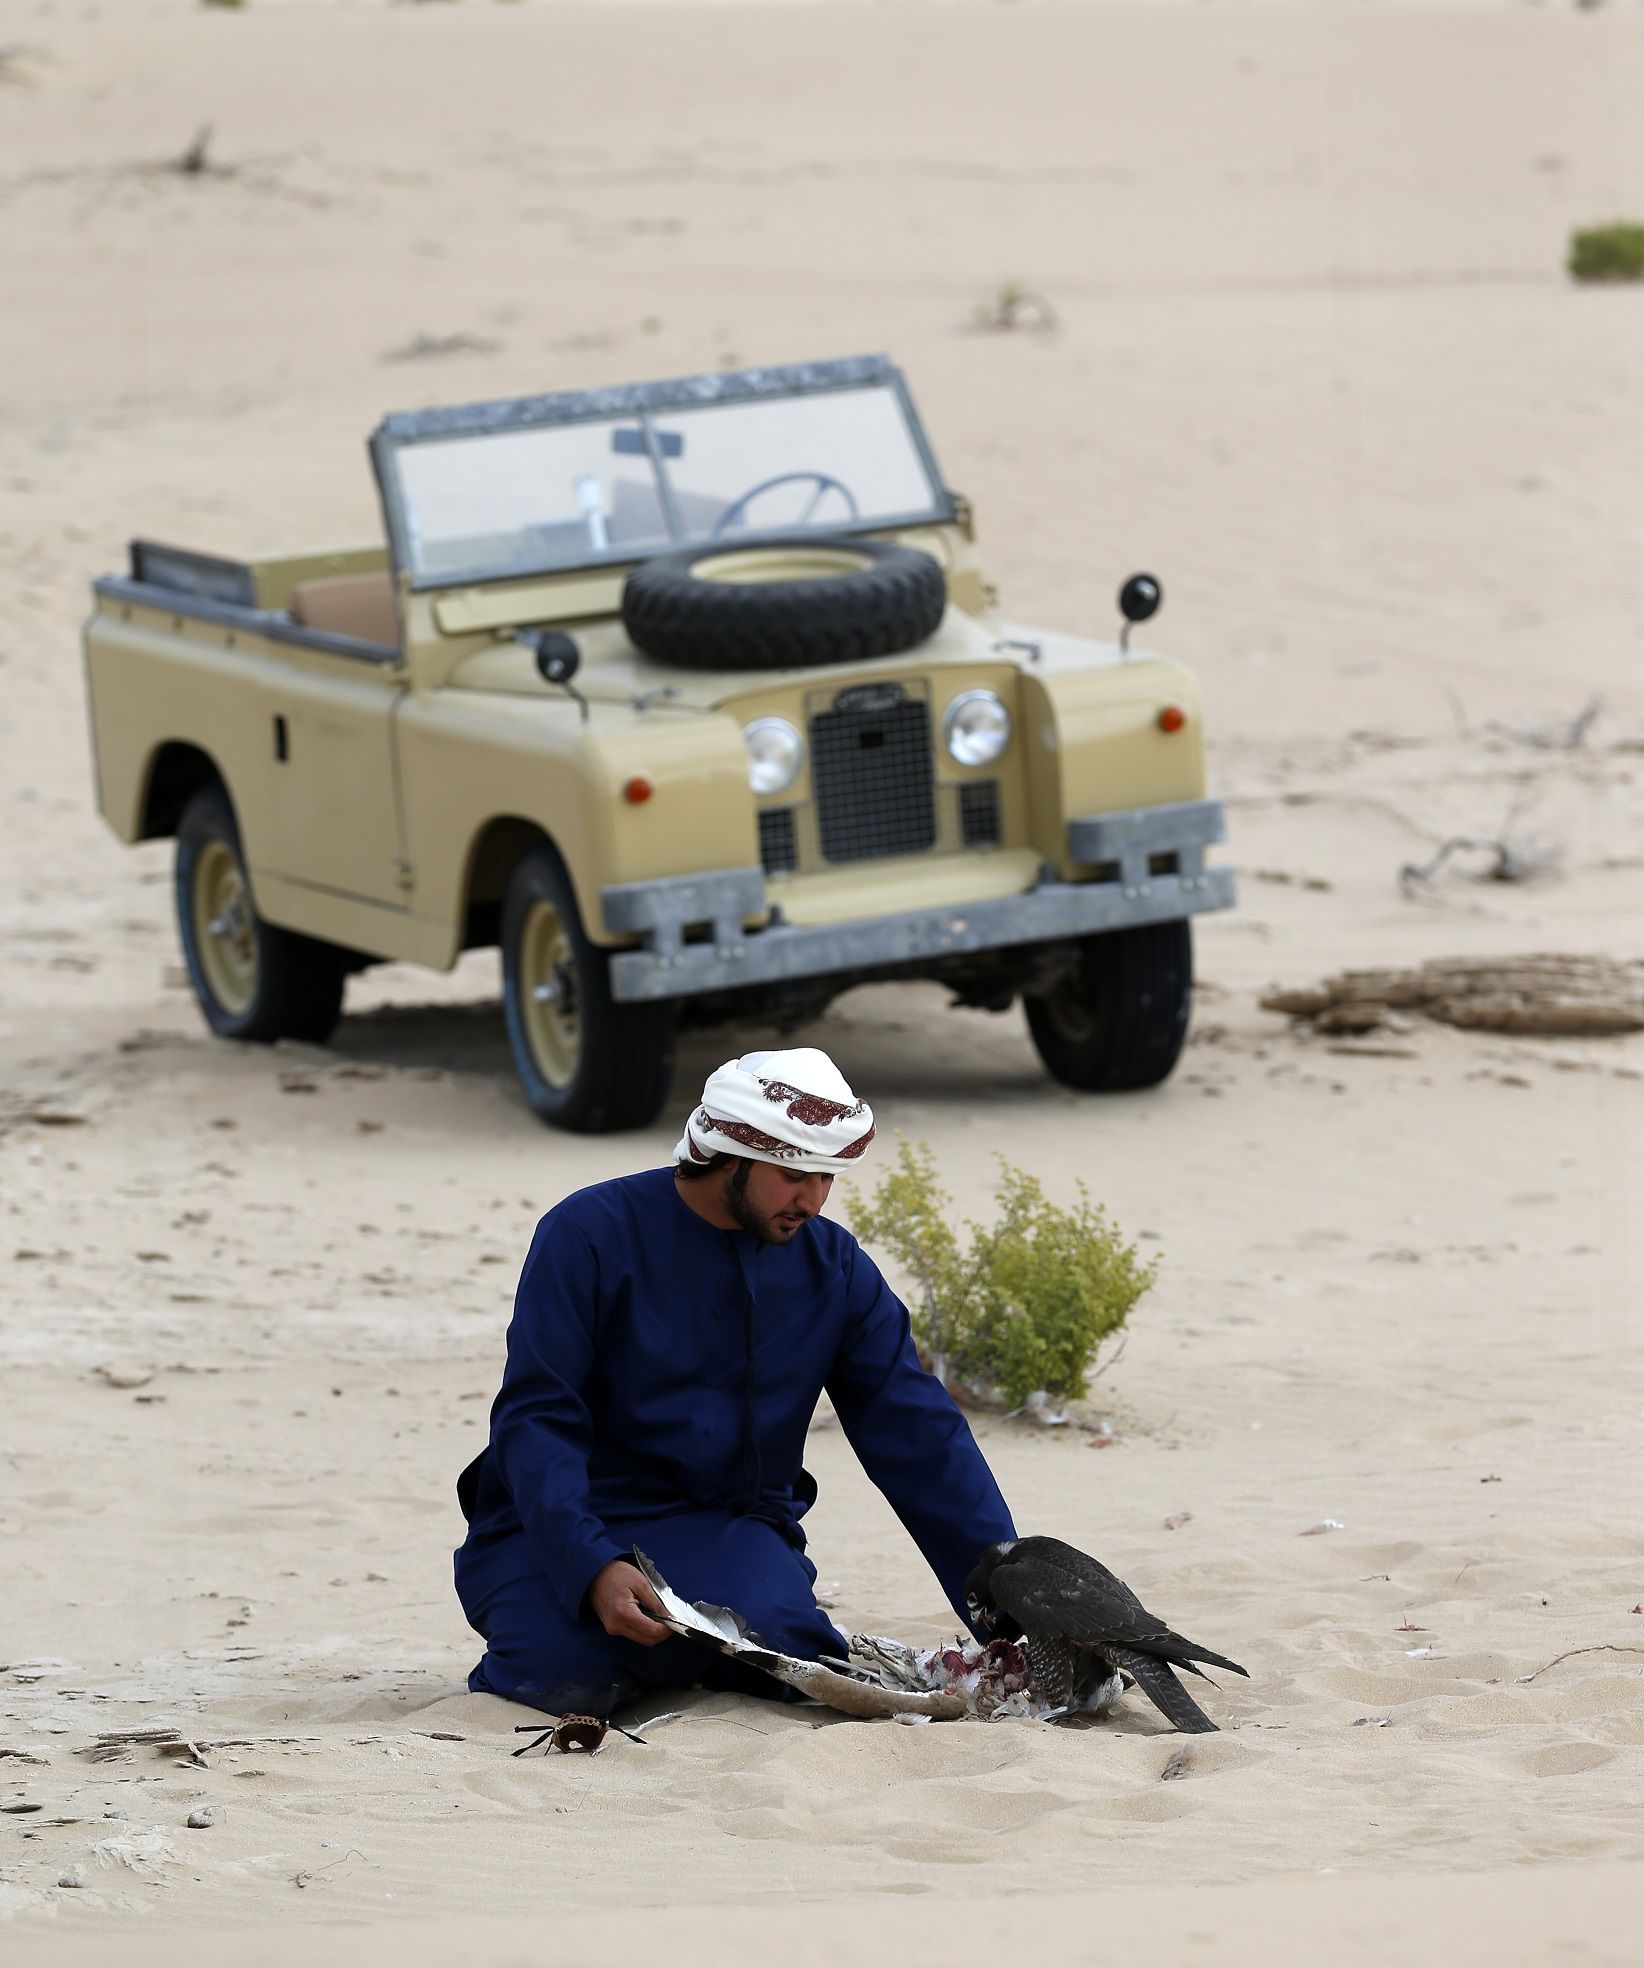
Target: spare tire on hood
783,603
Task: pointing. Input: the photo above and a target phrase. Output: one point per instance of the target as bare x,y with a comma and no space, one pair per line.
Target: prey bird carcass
1023,1673
877,1677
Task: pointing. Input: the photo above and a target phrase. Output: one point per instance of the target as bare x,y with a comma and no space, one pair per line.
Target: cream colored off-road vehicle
685,694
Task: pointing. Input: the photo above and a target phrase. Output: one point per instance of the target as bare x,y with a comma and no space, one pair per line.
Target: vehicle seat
358,605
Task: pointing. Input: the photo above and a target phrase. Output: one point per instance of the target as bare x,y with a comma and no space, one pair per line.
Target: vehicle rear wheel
252,980
587,1063
1119,1021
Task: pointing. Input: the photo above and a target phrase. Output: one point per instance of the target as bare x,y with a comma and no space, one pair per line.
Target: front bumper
1148,863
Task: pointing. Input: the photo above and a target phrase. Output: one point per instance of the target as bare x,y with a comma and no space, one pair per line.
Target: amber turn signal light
1172,718
638,790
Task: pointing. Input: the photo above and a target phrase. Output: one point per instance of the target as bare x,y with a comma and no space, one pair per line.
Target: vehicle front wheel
252,979
586,1062
1119,1020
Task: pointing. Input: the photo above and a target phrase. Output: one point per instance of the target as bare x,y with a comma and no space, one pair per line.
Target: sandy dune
1317,365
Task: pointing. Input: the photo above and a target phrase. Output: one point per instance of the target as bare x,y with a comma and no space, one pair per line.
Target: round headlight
976,727
775,753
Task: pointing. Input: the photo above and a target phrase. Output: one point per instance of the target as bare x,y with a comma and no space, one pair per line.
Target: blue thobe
660,1379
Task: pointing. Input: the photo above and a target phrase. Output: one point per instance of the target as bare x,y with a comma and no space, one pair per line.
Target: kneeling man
671,1336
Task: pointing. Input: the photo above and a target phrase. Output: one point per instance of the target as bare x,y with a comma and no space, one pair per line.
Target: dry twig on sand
1507,863
1566,737
1605,1647
1513,858
1013,308
118,1745
1544,996
195,162
422,346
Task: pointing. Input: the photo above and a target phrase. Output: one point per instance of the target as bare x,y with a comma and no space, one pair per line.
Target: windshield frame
635,400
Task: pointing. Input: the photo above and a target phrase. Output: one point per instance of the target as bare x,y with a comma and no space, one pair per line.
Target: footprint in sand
1566,1759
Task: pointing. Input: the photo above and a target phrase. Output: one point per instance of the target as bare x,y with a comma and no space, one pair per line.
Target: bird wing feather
1046,1599
1052,1588
1165,1692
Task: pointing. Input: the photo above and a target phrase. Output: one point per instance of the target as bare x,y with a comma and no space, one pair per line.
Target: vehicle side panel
1093,745
154,678
334,822
324,817
467,759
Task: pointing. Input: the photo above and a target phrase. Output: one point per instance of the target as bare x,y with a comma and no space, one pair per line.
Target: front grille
778,840
871,773
979,812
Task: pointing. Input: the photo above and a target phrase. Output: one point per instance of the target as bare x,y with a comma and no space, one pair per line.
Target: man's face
774,1204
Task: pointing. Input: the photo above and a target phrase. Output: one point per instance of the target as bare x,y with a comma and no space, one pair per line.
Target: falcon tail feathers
1191,1654
1164,1691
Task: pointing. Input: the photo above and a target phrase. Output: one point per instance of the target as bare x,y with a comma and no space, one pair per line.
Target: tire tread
1139,983
300,980
627,1060
894,603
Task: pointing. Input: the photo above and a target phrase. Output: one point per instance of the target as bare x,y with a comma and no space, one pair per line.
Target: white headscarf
791,1108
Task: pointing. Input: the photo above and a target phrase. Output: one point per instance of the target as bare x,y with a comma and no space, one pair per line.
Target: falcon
1080,1624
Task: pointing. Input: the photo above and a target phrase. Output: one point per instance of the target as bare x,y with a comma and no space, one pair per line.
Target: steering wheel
824,481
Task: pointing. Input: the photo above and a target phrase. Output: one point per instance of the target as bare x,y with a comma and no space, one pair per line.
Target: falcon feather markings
1080,1623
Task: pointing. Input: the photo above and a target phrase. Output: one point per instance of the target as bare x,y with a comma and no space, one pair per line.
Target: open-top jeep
684,694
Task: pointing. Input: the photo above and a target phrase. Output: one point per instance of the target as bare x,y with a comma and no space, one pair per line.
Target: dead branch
1547,995
1512,859
1507,863
421,347
1566,737
1113,1358
1608,1647
194,161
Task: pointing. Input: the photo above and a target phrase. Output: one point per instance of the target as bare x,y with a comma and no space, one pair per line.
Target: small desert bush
1608,252
1025,1304
1014,307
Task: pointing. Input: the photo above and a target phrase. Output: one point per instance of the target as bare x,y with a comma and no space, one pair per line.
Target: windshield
582,490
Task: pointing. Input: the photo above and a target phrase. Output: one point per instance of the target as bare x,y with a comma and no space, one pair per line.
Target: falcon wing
1079,1566
1045,1598
1054,1589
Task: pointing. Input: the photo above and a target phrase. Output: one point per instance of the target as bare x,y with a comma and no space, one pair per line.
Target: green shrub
1608,252
1025,1306
1014,307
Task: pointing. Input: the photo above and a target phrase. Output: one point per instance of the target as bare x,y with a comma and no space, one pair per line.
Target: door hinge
405,876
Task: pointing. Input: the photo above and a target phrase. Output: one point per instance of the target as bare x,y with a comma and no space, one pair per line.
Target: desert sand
1316,364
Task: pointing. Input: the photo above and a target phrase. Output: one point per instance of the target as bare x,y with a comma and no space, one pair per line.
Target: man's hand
624,1604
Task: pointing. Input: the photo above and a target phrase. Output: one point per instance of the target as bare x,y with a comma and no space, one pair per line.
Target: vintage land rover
685,694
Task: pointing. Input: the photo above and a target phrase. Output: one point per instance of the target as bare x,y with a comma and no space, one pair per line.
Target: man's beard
769,1229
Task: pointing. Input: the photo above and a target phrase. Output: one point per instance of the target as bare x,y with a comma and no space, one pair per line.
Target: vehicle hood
613,671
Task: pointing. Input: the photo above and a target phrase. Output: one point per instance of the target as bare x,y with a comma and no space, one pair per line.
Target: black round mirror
558,657
1140,597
